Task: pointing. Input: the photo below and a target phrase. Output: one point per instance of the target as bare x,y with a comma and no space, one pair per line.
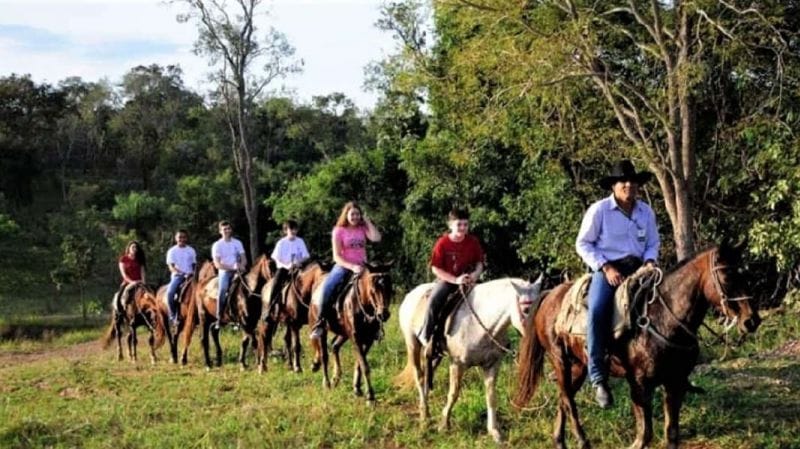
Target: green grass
753,401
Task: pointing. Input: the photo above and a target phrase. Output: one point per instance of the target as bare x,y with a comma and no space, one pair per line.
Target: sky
93,39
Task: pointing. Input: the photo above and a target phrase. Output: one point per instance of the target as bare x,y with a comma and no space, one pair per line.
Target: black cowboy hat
623,171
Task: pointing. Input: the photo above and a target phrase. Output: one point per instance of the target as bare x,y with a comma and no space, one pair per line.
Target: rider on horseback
349,241
229,258
181,261
617,235
132,266
289,252
454,255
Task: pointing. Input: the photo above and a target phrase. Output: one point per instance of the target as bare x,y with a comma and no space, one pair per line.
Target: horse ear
537,285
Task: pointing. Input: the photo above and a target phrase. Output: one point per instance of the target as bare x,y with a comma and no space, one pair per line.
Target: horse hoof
371,403
358,392
315,367
326,384
242,368
444,425
208,369
297,369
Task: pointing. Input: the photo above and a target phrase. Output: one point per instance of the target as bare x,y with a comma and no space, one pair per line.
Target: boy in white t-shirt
229,257
181,261
289,252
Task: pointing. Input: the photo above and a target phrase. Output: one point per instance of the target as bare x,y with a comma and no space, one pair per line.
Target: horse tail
111,333
406,379
530,362
159,327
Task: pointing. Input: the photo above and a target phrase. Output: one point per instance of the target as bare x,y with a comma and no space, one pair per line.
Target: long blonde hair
342,220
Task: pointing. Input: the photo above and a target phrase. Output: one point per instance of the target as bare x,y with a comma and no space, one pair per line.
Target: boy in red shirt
457,259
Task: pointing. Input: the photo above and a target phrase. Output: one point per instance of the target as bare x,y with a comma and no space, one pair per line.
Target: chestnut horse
292,310
243,302
364,309
142,309
661,349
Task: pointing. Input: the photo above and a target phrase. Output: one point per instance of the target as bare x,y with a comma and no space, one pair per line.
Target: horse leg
361,358
261,350
413,354
296,348
173,344
323,344
287,346
215,335
673,399
243,351
456,374
338,341
118,326
152,341
569,377
489,381
642,400
132,342
204,341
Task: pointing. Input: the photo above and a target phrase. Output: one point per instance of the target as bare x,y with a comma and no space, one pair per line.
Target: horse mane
207,271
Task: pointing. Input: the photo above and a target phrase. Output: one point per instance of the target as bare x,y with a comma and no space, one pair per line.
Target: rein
485,329
368,318
643,321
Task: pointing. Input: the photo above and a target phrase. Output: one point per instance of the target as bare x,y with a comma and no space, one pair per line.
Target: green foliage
78,257
370,177
140,210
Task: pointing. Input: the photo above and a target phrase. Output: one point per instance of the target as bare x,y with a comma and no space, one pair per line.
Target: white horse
475,336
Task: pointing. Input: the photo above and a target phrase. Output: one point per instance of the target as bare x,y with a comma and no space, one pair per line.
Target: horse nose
386,315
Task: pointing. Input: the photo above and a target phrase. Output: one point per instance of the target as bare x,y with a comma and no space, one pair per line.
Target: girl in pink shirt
349,241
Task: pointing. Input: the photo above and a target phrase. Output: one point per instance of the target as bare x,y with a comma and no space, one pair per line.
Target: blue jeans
337,275
598,326
225,278
172,291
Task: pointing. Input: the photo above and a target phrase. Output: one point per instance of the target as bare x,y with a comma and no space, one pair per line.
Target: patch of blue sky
127,49
34,39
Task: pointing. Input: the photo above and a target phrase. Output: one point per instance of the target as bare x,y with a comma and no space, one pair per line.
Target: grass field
79,396
59,389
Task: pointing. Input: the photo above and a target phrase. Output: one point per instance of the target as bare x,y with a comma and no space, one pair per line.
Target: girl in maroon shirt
457,259
132,265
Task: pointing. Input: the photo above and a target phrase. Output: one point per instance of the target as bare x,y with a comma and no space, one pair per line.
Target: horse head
376,283
725,287
528,294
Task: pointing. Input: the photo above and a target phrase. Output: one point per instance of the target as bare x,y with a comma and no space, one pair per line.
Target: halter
243,281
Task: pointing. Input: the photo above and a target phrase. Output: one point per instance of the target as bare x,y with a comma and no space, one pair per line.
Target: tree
649,62
232,44
78,256
156,105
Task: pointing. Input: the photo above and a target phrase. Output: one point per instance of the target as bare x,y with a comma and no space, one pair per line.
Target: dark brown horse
292,310
363,311
141,308
243,307
662,348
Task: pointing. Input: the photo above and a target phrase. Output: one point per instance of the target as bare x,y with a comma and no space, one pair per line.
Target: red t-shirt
457,258
131,268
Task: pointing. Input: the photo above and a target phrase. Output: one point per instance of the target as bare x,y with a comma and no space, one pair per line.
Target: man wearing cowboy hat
618,234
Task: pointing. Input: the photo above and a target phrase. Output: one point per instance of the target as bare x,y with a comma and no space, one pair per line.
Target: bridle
724,298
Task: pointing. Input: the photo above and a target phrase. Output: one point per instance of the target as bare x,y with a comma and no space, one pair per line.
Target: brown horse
661,350
243,307
292,311
363,311
141,309
187,318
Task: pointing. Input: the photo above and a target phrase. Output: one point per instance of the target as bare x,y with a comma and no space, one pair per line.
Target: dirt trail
73,352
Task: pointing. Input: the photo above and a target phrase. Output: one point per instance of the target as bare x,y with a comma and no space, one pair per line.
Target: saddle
443,320
572,318
211,291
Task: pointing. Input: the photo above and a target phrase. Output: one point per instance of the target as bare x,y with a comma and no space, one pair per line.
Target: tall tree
647,60
156,104
231,42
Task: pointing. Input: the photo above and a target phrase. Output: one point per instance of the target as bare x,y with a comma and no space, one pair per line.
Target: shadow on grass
758,399
47,328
